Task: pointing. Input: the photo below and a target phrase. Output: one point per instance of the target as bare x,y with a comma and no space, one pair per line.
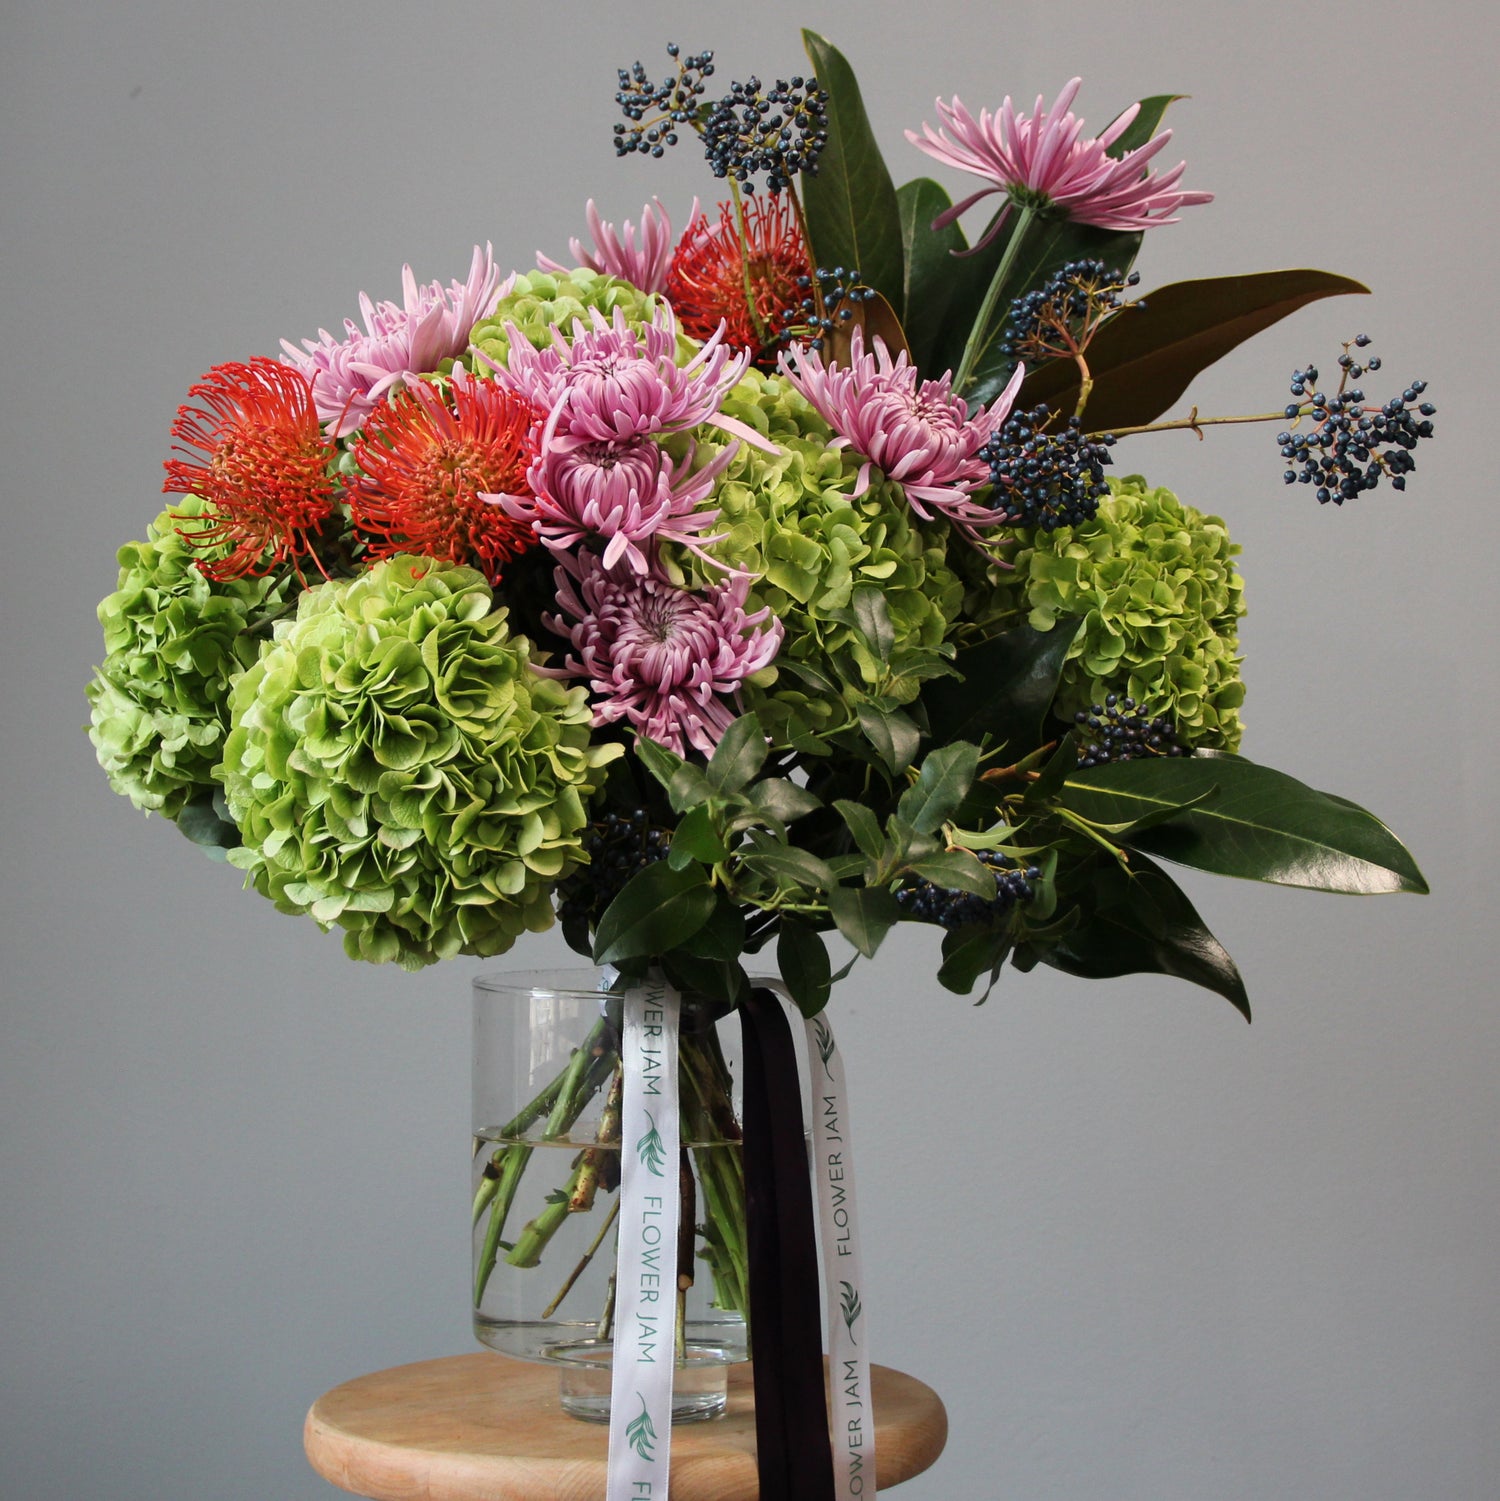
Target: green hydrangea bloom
540,301
1160,598
175,641
789,518
396,767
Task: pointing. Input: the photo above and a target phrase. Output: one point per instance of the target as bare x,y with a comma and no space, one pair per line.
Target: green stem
588,1256
1192,422
977,340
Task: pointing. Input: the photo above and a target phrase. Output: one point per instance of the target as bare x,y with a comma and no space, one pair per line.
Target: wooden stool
484,1428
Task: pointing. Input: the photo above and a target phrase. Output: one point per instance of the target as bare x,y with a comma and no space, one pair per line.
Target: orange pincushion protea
708,276
256,455
427,462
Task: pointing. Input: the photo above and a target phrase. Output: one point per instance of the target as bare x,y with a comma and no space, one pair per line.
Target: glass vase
546,1179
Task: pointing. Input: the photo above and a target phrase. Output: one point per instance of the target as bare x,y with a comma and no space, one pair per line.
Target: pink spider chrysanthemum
353,375
1043,161
668,661
627,493
645,265
611,382
915,431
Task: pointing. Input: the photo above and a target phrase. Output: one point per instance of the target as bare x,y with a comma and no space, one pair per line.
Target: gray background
1143,1250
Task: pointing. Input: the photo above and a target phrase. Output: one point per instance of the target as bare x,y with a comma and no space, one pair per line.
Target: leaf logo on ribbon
825,1043
641,1434
649,1150
851,1306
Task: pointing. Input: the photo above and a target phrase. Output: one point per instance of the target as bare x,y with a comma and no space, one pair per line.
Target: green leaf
1144,924
657,909
1145,357
782,800
865,827
200,820
850,202
970,952
892,733
941,786
929,262
1007,688
661,762
785,860
873,618
695,838
864,914
722,937
1255,823
740,753
717,979
1143,127
802,958
688,787
956,870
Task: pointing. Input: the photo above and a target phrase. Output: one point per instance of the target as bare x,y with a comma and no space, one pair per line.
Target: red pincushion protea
427,459
707,280
257,456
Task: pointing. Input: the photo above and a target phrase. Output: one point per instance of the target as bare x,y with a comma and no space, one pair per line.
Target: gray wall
1142,1250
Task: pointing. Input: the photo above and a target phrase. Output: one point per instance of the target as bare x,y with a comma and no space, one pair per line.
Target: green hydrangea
1160,598
789,518
175,641
396,767
540,301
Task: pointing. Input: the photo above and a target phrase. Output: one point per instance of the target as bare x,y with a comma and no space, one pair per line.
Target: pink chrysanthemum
645,265
1040,161
612,383
915,431
351,376
627,493
668,661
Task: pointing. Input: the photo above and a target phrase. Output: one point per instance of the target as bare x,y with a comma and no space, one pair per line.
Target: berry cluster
839,291
618,846
1114,731
961,909
1058,320
1352,445
1046,479
655,109
779,131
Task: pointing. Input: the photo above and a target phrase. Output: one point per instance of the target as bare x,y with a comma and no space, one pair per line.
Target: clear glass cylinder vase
546,1186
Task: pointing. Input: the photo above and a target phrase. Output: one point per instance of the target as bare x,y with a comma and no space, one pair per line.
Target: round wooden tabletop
481,1427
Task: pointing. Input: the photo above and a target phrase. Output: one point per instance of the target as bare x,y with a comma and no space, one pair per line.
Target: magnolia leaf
1143,923
850,201
1256,823
928,259
876,318
1145,357
1007,688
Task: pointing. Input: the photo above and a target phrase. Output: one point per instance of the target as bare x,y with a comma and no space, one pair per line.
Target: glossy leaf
864,915
892,733
970,952
740,753
722,936
941,786
1144,358
876,318
873,617
1007,687
865,827
782,800
956,870
1254,822
850,202
718,979
1143,923
695,838
929,267
201,820
656,910
802,958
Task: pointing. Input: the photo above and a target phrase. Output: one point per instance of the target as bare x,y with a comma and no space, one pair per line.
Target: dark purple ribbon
794,1456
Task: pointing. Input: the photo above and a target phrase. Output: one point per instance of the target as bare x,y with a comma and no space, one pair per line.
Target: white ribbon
850,1410
645,1332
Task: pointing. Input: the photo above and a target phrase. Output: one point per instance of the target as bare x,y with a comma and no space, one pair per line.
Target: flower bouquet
709,593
